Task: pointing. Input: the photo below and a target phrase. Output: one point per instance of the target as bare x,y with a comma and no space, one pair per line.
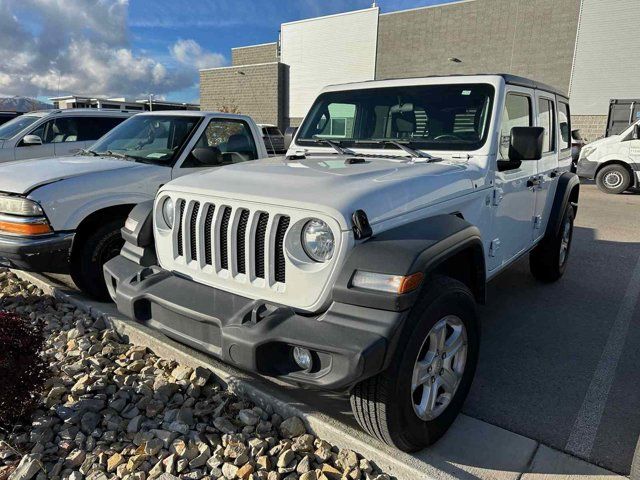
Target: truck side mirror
289,133
526,143
31,140
636,131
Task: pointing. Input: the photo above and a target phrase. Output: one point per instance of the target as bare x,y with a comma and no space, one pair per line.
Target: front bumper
586,168
348,343
40,254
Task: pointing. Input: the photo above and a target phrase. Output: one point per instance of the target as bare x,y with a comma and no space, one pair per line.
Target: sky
132,48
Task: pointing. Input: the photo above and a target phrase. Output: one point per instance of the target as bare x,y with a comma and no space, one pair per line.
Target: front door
514,197
44,131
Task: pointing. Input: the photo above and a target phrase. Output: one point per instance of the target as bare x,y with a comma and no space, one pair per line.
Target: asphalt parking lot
559,363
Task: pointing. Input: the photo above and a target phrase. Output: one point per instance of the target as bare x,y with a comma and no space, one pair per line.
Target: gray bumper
39,254
587,168
348,343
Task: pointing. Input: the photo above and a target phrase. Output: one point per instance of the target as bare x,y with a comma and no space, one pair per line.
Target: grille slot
280,264
224,229
240,241
208,221
180,236
261,231
193,231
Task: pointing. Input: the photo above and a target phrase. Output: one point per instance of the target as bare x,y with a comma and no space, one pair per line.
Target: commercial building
587,48
78,101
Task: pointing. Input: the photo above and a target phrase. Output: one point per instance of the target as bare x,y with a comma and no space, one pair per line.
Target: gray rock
248,417
292,427
28,467
89,422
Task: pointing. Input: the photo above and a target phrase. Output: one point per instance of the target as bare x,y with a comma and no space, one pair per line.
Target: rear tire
548,260
386,406
613,179
90,252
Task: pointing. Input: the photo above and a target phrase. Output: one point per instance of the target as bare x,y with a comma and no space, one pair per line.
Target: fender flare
568,183
137,233
420,246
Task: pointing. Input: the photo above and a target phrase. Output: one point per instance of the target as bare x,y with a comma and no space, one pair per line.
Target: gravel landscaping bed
113,410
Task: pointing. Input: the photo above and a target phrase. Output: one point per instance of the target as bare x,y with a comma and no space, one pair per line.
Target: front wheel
412,404
91,251
613,179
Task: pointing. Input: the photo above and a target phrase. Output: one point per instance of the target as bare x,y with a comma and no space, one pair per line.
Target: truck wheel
613,179
412,404
90,252
548,260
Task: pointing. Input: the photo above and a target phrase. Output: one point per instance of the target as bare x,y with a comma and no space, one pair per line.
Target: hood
22,176
604,141
382,187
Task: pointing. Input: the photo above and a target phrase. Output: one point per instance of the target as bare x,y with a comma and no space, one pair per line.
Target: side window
224,141
564,120
517,113
546,120
64,130
44,131
92,128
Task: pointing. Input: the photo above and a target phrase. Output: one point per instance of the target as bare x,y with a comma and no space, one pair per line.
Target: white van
55,133
614,162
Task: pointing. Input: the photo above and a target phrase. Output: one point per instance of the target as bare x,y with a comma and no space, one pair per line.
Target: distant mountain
22,104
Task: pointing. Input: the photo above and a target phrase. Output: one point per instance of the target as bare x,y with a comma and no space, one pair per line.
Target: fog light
302,356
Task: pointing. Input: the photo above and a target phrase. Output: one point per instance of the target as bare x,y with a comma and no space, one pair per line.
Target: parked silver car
55,133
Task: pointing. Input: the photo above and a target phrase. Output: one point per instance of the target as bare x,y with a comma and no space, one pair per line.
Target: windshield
15,126
437,117
148,138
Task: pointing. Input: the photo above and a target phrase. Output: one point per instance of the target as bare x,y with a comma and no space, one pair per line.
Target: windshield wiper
84,151
335,145
411,151
120,155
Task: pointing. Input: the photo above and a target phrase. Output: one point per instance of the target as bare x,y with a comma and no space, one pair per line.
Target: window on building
517,113
224,141
546,120
564,120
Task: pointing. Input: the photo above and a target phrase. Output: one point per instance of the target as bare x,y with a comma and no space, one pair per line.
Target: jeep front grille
231,240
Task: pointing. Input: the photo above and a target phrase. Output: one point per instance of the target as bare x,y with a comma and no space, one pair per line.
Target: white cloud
82,46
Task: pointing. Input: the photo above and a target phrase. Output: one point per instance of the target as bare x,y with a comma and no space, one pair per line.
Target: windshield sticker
466,92
156,155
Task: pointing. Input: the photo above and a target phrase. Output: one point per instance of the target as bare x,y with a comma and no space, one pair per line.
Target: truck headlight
586,151
168,211
317,240
19,206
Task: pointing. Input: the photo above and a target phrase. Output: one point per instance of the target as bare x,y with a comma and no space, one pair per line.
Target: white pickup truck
63,215
355,262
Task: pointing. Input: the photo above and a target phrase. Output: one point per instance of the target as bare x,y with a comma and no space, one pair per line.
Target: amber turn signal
381,282
19,228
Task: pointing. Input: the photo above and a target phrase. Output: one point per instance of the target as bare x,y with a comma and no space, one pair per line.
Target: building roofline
450,2
330,16
237,66
256,45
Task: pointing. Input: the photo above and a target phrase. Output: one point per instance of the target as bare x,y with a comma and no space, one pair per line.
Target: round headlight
167,212
317,240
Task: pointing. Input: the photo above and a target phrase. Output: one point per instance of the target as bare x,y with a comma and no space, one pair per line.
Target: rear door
544,185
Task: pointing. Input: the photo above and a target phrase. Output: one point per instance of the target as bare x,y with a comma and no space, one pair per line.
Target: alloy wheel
438,370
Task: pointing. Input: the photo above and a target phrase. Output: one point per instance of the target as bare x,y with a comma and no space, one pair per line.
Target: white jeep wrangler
355,263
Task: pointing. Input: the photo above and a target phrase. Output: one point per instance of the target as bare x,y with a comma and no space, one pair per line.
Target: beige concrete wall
255,90
592,127
253,54
532,38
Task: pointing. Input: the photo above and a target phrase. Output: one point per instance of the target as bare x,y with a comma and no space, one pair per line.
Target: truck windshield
15,126
147,138
430,117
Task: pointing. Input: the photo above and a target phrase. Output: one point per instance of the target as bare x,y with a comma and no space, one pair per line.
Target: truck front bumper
586,169
347,343
39,254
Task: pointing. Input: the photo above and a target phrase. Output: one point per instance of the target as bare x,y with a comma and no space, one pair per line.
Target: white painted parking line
585,428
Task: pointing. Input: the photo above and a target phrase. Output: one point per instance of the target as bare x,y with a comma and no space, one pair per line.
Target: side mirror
31,140
636,131
526,143
289,133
